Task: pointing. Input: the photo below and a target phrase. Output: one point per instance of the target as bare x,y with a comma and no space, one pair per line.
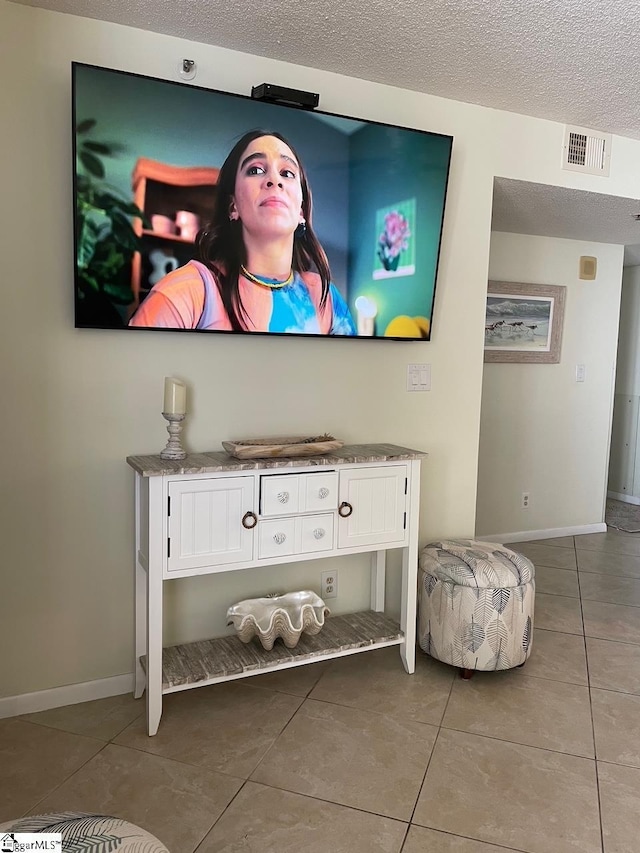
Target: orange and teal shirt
188,298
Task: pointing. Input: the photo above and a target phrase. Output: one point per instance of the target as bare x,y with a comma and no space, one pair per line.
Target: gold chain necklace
272,283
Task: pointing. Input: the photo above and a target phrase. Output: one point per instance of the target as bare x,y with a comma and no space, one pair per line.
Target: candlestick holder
173,450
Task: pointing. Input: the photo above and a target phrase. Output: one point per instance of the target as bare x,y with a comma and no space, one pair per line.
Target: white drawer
316,533
320,492
280,495
288,494
277,538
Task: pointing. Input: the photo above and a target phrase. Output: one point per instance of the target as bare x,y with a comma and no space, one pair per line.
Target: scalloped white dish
287,616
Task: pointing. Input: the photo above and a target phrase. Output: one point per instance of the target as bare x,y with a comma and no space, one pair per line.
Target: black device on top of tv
281,95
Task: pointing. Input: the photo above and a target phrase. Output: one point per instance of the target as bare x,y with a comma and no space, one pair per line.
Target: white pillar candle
175,397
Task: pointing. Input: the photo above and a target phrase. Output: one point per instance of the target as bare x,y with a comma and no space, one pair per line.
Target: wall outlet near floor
329,584
526,500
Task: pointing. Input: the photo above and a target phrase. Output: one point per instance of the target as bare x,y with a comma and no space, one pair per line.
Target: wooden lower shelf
228,657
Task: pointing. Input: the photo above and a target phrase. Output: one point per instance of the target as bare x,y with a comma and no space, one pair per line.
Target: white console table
212,513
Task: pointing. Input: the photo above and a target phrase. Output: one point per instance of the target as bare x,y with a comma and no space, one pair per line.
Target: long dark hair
221,247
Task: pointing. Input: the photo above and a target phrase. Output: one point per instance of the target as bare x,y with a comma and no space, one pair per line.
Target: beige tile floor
354,756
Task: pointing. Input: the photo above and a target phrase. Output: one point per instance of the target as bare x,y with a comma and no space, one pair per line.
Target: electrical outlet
526,500
329,584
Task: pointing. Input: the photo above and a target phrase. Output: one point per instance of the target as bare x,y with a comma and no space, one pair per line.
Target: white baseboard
551,533
71,694
627,499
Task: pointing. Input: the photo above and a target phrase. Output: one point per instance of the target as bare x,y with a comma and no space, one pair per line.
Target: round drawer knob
323,493
345,509
249,520
279,538
283,497
318,532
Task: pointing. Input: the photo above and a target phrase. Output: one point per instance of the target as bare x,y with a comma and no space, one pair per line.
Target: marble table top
219,460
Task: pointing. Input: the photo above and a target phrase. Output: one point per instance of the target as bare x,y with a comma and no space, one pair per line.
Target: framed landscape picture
523,322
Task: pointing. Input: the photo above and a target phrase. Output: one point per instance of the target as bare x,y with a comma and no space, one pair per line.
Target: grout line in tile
150,754
106,741
616,764
404,840
326,800
424,775
597,777
525,674
287,692
614,690
558,630
42,725
553,630
65,780
520,743
615,603
275,740
607,639
244,782
426,770
555,568
337,704
557,595
608,574
582,546
471,838
130,723
593,726
446,704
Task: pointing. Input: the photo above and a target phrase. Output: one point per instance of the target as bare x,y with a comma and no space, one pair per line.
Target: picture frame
395,240
524,322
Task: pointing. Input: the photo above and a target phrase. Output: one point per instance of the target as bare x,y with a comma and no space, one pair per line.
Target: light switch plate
418,377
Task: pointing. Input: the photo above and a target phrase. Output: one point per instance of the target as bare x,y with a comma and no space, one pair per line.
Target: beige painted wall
541,431
78,402
628,372
624,463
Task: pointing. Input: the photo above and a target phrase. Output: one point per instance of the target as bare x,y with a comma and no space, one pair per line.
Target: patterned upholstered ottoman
475,604
86,833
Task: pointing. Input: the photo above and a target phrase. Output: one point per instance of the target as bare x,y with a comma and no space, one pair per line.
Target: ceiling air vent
587,151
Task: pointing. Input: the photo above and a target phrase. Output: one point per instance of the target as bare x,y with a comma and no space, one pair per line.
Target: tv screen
200,210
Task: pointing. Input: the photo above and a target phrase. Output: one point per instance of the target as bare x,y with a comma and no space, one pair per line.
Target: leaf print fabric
476,604
90,833
500,599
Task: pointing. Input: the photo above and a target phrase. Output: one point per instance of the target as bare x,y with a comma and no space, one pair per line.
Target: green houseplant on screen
104,265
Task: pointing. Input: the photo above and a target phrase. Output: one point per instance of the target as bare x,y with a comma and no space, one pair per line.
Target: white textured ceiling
569,61
549,211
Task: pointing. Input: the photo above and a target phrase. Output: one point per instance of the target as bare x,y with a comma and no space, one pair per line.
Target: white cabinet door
205,522
377,499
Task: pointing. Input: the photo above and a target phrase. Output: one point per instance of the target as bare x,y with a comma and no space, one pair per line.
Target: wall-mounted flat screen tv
200,210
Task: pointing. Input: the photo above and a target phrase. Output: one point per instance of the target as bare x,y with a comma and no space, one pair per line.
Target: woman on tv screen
261,267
